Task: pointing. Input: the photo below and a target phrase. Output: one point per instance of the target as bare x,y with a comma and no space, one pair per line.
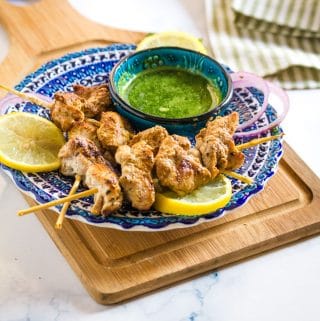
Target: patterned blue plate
91,67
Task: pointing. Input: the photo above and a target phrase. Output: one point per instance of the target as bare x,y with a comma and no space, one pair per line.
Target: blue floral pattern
91,67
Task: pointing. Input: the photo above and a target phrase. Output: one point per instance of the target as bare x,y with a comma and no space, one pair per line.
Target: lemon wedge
204,200
172,38
29,142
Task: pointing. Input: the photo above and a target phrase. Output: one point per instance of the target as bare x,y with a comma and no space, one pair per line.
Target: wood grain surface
117,265
47,29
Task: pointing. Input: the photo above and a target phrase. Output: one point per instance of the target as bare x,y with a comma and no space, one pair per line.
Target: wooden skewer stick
67,204
33,99
59,201
235,175
257,141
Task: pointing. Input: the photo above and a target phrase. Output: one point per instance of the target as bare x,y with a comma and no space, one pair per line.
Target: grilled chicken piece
216,145
77,155
67,110
97,99
136,165
178,166
80,156
89,102
87,129
114,131
152,136
109,196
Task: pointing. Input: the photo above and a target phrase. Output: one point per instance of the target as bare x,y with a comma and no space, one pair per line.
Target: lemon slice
29,142
172,38
205,199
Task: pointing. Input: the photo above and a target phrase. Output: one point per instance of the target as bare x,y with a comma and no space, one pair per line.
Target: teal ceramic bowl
193,62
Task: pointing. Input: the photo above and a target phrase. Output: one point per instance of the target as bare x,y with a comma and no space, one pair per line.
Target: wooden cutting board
116,265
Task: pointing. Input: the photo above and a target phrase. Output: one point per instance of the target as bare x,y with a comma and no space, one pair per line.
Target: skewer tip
22,213
58,226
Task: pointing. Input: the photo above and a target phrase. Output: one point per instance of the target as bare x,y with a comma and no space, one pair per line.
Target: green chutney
171,93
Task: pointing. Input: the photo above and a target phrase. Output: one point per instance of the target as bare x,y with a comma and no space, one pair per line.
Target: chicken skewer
183,169
111,132
67,108
95,190
87,129
79,156
218,150
83,158
116,133
216,144
87,162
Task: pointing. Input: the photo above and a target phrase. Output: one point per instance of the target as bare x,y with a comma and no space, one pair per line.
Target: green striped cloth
298,18
276,39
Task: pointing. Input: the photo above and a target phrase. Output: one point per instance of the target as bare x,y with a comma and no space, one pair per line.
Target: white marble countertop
36,283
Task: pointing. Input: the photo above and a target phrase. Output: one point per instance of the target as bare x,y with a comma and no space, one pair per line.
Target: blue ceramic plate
91,67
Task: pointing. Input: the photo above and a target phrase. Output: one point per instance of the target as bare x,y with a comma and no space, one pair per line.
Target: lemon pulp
29,142
172,38
204,200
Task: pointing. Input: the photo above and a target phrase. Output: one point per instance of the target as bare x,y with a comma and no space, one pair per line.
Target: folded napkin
295,18
257,36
